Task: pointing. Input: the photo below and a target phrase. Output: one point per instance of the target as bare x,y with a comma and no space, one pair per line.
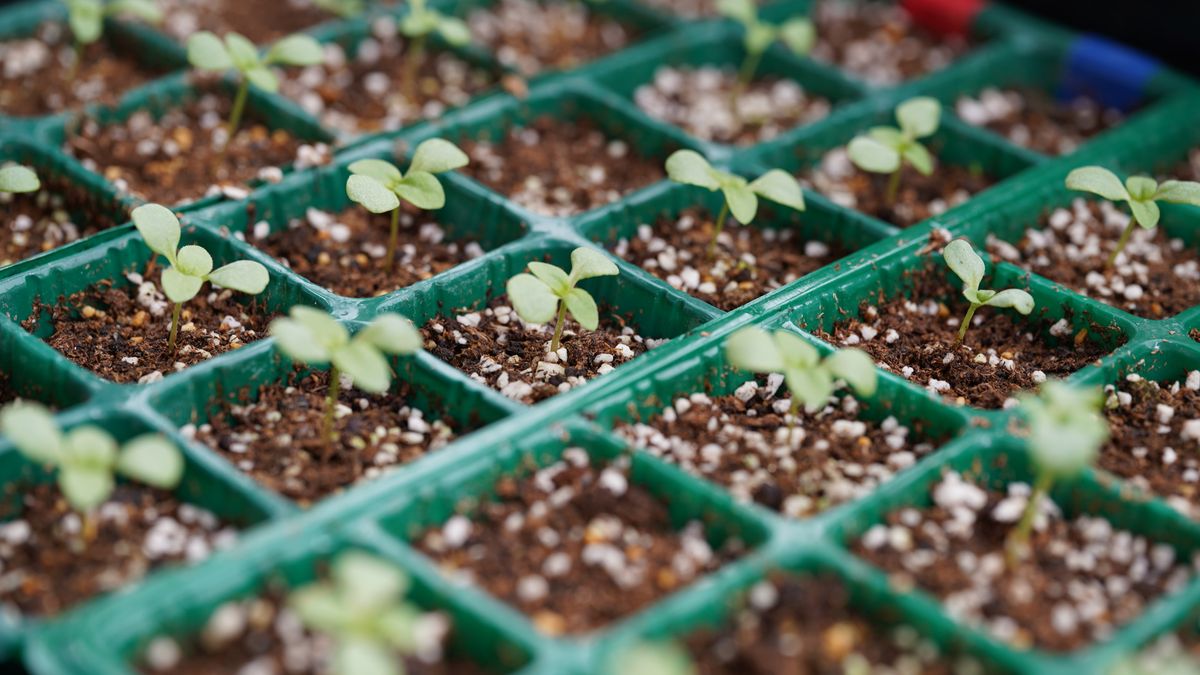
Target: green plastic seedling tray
106,634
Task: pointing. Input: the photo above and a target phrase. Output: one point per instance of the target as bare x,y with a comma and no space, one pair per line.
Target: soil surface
59,213
878,41
1032,119
741,441
1079,582
792,625
40,77
261,22
180,157
918,197
7,393
748,262
1155,277
1003,352
702,102
121,332
495,347
276,437
558,168
574,546
345,252
48,569
533,36
367,90
1156,438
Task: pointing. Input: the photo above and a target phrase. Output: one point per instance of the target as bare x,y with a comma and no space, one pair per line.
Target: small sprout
548,291
86,19
652,658
345,9
207,52
87,457
379,185
887,149
797,35
17,178
966,263
810,379
417,26
741,196
1066,430
313,337
1141,192
191,265
362,609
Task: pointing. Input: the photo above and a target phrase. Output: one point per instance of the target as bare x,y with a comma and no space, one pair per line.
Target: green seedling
207,52
652,658
17,178
313,337
417,26
1066,430
87,458
361,607
966,263
741,196
86,19
379,185
191,265
1141,192
547,291
797,35
810,379
887,149
346,9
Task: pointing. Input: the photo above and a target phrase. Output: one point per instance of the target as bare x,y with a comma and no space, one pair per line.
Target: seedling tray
281,540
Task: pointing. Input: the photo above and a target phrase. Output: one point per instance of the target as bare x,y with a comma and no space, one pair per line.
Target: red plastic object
945,17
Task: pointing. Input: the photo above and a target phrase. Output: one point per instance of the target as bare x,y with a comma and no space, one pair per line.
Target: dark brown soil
975,371
175,158
1144,282
104,74
276,437
47,567
261,22
1033,119
575,547
748,262
59,213
7,394
100,328
532,36
801,625
918,197
354,266
560,168
503,352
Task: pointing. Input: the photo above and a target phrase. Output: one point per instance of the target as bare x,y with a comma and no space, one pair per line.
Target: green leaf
742,202
889,136
296,50
153,460
383,171
742,11
320,607
587,263
690,168
1174,191
297,341
146,10
796,351
1098,181
245,276
159,229
86,19
178,287
813,386
18,178
652,658
31,428
356,656
553,276
454,31
754,350
392,334
193,261
85,487
1141,188
263,78
398,627
532,298
799,35
89,446
242,51
437,155
321,326
1146,213
422,190
367,582
759,36
582,306
855,367
780,187
372,194
1014,298
919,117
964,262
365,365
870,155
918,156
206,52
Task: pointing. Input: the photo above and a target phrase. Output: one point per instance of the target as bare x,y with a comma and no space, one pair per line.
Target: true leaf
206,51
856,368
1098,181
179,287
295,50
690,168
582,306
587,262
153,460
918,117
193,261
18,178
393,334
371,194
365,365
85,487
919,157
1174,191
242,51
871,155
780,187
964,262
743,204
159,229
263,78
246,276
753,350
437,155
799,35
422,190
551,275
532,299
813,386
383,171
1146,213
1014,298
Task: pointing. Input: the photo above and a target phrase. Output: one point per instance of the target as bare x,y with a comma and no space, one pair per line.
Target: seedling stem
966,322
235,115
968,266
176,310
331,399
391,251
721,218
893,187
1112,258
558,326
1018,540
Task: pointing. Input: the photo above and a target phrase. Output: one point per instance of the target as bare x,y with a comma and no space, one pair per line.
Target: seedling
966,263
741,196
1066,430
1141,192
191,265
87,457
362,609
345,9
810,379
548,291
417,26
652,658
312,337
887,149
797,35
207,52
379,186
17,178
86,19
